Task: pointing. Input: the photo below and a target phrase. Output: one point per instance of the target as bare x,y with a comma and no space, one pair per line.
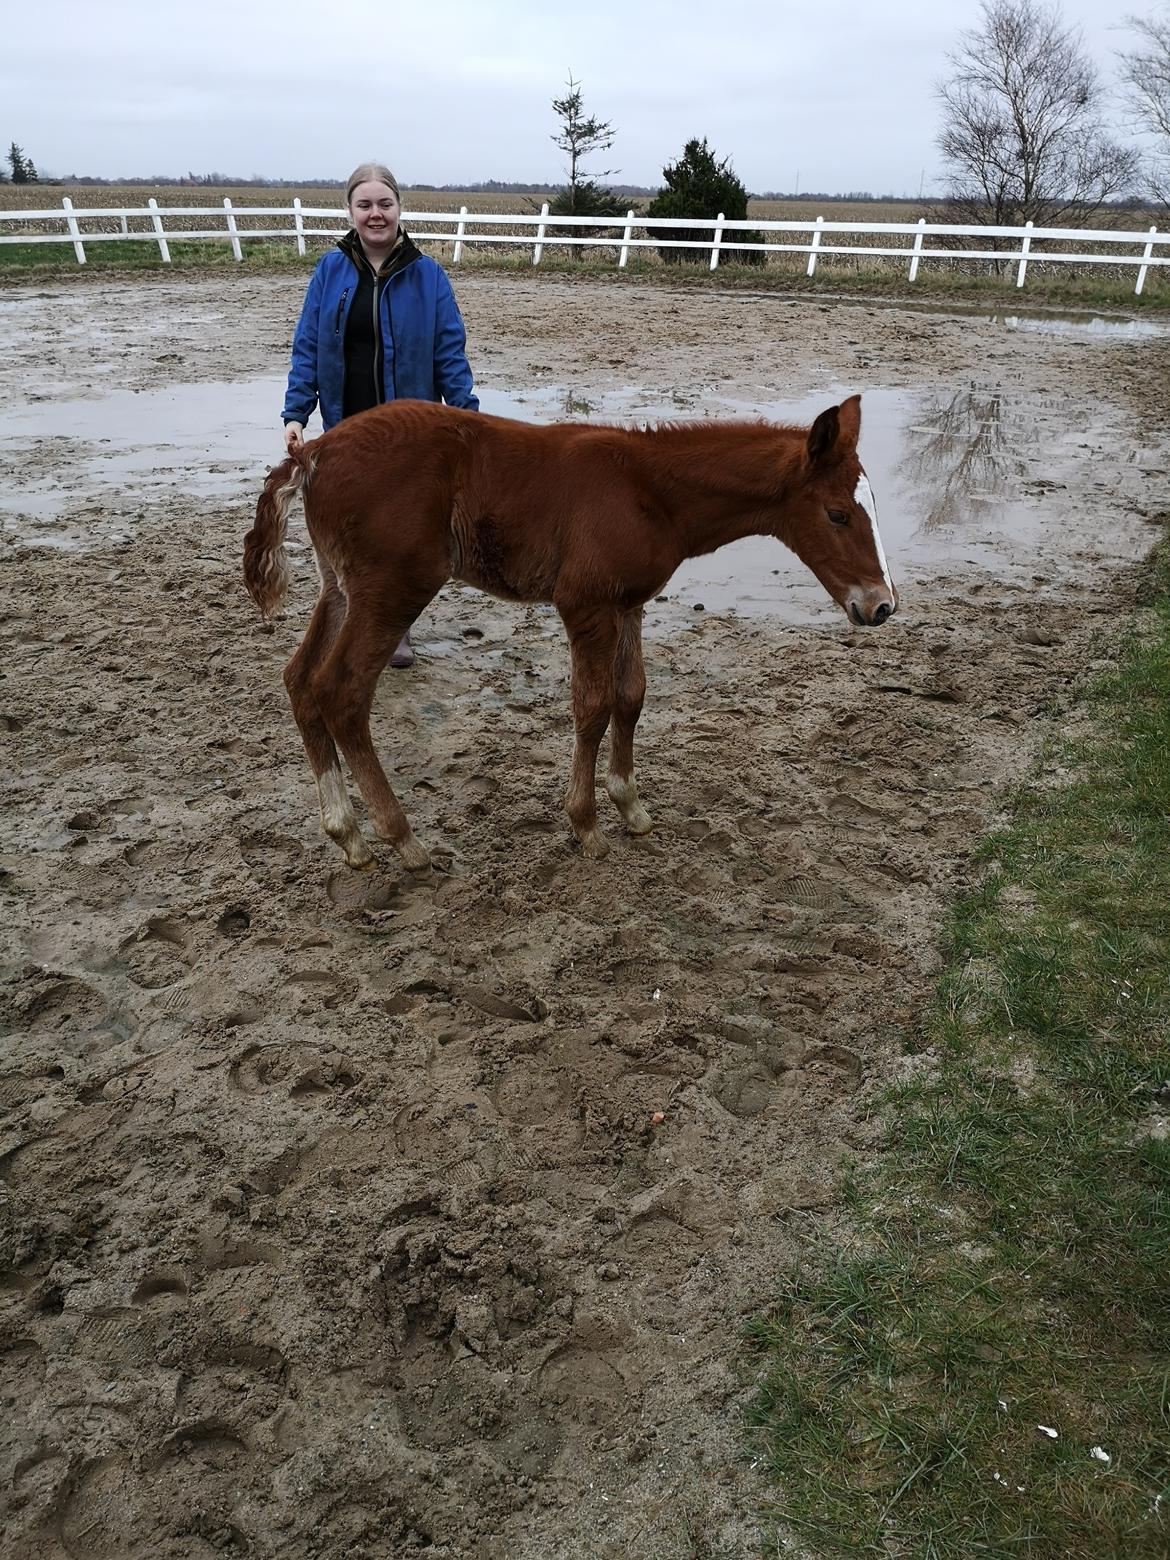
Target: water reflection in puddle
1048,322
957,477
1095,326
956,474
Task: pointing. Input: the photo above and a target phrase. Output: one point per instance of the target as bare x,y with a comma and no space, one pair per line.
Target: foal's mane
713,427
749,452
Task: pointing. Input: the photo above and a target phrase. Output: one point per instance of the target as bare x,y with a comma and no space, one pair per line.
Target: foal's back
541,509
520,509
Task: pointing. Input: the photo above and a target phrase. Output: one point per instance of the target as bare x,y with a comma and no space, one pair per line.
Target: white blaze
864,496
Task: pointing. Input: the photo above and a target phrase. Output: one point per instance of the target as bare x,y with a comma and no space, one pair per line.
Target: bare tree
1145,71
1023,133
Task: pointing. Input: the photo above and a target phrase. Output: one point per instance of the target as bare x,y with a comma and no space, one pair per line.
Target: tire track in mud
336,1213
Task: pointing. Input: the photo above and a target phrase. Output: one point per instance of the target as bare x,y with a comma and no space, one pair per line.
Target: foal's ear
835,431
822,436
849,417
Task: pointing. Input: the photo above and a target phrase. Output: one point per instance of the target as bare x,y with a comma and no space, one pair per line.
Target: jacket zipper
393,341
340,311
377,333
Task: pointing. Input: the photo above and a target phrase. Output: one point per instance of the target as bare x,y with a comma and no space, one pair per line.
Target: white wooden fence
817,238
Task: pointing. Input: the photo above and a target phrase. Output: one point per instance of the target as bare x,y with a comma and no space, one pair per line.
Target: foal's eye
838,517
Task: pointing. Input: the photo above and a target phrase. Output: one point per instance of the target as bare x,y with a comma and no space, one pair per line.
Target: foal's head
832,525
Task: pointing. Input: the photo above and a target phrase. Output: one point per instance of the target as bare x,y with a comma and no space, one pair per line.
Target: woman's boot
404,655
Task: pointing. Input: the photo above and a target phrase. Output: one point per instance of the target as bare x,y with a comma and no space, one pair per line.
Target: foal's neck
722,480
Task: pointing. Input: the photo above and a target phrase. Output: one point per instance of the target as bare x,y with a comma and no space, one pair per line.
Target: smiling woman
379,323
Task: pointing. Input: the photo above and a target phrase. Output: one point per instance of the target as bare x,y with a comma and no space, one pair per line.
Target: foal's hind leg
593,637
337,814
629,691
344,687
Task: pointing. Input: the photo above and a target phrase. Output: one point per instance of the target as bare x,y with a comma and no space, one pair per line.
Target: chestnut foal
594,519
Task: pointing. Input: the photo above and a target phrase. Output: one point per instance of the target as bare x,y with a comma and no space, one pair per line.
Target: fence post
125,226
718,241
626,236
231,224
459,234
1024,248
536,253
815,245
1147,256
917,250
163,247
299,224
78,246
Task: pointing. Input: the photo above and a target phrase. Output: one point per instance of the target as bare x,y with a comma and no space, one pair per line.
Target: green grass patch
1010,1268
139,255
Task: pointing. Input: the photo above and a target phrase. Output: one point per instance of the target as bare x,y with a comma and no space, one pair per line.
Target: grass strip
940,282
128,254
986,1371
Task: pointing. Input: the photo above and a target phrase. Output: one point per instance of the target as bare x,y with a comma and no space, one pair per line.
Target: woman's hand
294,436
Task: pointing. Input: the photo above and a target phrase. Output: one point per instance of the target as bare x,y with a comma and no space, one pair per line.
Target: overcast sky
833,97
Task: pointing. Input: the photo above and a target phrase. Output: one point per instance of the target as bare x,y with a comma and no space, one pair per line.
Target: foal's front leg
629,692
593,639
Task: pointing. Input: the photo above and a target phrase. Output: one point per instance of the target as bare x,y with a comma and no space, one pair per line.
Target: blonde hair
366,173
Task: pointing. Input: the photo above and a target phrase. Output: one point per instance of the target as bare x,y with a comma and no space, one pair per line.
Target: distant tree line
850,197
258,181
202,181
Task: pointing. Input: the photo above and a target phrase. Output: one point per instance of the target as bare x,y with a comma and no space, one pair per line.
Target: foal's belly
482,555
495,582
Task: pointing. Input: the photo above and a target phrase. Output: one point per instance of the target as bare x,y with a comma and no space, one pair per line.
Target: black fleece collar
406,253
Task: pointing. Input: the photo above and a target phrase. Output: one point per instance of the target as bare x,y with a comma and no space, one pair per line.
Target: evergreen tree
697,185
23,171
580,136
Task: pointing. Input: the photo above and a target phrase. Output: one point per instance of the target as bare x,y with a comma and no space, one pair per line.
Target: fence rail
717,238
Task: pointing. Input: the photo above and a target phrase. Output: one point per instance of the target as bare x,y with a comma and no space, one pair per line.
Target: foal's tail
266,571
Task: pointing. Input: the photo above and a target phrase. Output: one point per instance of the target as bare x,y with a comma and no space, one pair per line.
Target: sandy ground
333,1220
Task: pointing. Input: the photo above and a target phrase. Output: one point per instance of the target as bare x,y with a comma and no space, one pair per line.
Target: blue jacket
423,341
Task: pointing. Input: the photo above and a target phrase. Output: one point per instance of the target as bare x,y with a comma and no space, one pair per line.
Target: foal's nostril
881,613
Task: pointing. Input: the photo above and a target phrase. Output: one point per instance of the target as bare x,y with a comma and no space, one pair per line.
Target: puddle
1095,326
949,472
1049,322
120,449
960,478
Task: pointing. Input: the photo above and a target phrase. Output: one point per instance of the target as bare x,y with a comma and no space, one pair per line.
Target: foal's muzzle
871,617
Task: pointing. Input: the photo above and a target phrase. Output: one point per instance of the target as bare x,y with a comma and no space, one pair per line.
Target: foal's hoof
624,795
359,856
414,857
594,846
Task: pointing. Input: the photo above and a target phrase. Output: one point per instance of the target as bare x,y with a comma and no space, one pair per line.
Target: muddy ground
334,1219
